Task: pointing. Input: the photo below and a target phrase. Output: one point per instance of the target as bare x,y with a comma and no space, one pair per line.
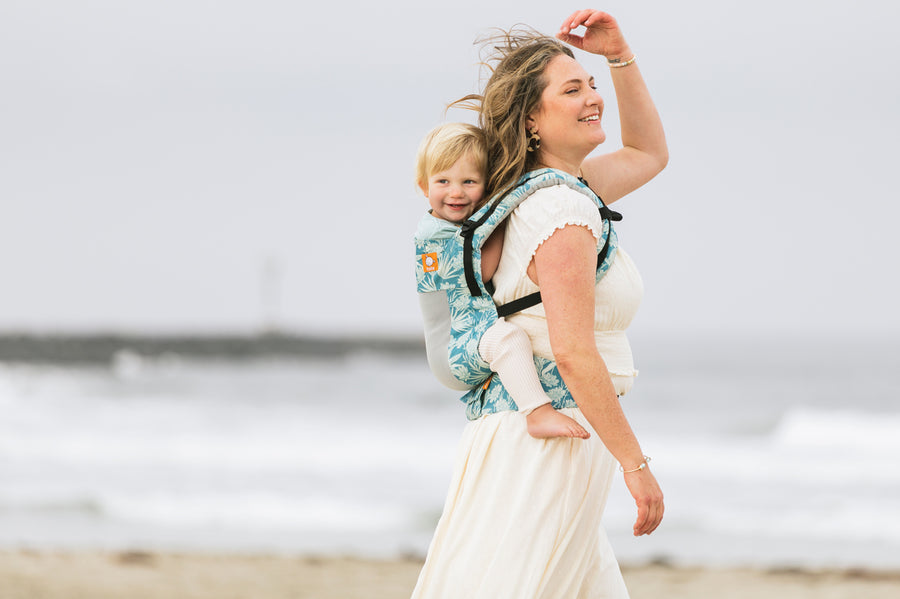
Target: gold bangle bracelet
618,65
639,468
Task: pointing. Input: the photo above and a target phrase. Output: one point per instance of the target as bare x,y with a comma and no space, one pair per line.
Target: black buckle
608,214
468,227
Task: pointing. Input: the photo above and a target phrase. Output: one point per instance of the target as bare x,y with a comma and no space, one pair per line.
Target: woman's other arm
564,266
644,153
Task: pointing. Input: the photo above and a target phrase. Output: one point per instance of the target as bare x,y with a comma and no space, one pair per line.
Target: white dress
522,516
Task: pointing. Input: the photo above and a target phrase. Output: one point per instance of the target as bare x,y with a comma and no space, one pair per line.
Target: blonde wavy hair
517,60
444,145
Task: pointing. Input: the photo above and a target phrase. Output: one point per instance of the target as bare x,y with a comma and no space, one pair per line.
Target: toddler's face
453,193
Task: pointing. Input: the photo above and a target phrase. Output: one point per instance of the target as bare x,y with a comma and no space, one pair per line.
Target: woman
522,518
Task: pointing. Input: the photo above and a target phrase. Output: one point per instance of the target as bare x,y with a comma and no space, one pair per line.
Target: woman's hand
602,34
649,499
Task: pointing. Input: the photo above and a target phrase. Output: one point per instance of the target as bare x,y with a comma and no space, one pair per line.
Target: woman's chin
595,142
595,138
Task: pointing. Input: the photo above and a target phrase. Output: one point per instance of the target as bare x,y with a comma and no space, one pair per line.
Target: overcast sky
186,165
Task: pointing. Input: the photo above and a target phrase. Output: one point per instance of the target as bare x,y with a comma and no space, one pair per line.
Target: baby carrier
458,308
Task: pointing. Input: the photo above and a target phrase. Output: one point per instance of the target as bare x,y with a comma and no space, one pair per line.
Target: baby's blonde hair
444,145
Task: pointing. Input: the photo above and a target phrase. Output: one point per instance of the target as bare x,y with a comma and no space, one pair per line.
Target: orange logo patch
430,262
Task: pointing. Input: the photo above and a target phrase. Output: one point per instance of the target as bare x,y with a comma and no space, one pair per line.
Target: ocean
771,452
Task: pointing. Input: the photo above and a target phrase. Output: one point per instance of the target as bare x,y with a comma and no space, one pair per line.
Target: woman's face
568,120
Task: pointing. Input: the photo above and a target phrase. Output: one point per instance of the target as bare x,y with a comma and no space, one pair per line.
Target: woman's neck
568,165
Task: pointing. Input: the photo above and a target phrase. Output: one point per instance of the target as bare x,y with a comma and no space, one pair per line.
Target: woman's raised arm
644,153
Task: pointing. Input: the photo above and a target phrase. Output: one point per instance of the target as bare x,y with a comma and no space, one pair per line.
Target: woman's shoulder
559,203
548,210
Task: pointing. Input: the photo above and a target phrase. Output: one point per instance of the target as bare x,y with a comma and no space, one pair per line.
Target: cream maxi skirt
522,518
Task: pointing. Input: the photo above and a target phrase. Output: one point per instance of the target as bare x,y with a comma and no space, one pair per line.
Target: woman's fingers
573,40
598,17
653,520
642,518
576,19
661,510
567,26
581,17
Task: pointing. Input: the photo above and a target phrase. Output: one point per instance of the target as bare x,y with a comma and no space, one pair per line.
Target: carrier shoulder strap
469,227
467,230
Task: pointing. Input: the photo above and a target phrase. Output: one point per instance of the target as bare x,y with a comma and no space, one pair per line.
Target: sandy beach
139,575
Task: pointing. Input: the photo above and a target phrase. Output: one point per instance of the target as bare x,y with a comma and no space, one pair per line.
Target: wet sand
139,575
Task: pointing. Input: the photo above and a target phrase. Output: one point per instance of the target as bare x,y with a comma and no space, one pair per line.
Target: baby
451,170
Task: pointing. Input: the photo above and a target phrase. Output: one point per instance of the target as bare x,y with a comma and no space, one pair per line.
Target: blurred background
209,336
